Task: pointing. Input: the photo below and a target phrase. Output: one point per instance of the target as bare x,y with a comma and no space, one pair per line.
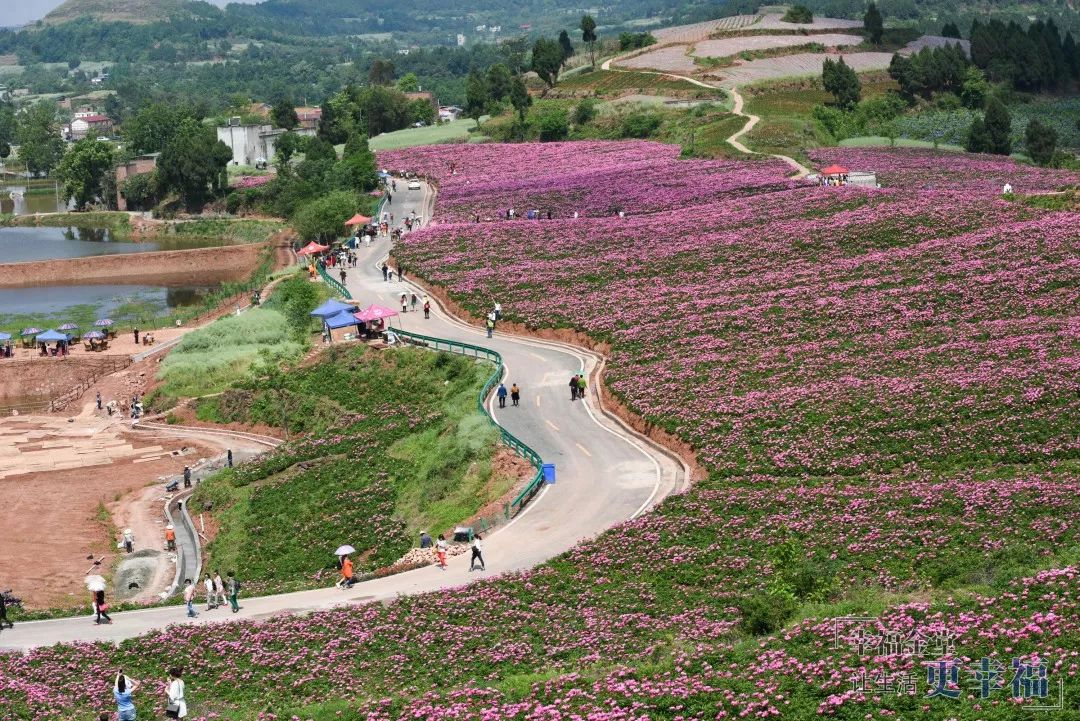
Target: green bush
798,14
640,124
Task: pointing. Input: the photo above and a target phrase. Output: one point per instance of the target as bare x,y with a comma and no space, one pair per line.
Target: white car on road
414,185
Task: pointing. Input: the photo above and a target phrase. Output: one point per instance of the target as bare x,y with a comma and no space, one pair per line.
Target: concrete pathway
605,473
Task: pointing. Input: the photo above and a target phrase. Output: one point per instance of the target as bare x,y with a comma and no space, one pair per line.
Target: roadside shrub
640,124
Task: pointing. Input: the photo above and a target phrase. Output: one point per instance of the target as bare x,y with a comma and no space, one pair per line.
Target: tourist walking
187,477
390,275
404,303
385,270
477,553
490,326
219,589
232,585
582,386
347,578
427,307
342,274
129,540
440,551
170,538
515,394
189,598
3,612
573,388
99,401
497,311
100,607
123,687
501,393
176,706
208,584
413,300
136,332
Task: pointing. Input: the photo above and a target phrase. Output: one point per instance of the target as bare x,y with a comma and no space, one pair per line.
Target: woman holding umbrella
96,585
346,565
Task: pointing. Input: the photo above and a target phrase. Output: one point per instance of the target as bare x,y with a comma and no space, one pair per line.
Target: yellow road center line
553,425
583,449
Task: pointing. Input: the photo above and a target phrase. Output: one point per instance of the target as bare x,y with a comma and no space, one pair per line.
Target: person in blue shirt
122,691
502,395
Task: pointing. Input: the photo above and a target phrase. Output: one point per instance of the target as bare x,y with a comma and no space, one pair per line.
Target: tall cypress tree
872,23
998,128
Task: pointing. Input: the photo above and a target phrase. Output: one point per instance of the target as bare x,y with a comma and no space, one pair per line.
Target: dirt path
801,171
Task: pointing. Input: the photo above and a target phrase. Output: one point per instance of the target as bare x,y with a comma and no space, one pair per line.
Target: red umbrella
358,220
312,248
374,312
834,170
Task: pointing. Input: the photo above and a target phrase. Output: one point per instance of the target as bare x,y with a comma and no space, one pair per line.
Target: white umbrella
95,583
344,550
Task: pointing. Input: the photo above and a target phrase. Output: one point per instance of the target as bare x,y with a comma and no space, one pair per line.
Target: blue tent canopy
342,320
331,308
5,336
50,336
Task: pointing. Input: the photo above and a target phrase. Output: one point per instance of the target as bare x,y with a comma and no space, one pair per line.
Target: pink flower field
882,385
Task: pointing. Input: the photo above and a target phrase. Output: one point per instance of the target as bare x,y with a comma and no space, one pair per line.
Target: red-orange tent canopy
312,248
834,170
358,220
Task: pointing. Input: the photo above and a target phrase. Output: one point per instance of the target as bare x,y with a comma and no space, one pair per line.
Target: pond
120,302
18,245
14,199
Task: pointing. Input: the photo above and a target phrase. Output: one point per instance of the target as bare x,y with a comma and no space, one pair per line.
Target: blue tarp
5,336
331,308
50,336
341,320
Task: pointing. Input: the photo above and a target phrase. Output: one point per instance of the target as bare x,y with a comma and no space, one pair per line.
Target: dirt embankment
201,266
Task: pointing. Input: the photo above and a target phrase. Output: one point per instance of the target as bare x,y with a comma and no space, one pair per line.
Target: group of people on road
124,688
218,591
578,386
514,393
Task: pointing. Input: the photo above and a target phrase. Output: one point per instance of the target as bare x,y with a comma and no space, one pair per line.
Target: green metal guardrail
478,352
508,438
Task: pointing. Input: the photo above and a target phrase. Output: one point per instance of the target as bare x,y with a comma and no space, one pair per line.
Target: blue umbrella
68,326
5,336
51,336
102,322
94,334
30,331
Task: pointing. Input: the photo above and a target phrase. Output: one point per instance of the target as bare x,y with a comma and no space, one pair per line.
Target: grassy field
612,83
878,141
457,131
395,445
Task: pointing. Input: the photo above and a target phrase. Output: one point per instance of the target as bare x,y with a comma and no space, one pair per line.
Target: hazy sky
20,12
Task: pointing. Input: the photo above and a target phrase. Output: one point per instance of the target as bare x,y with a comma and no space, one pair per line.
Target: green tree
40,144
82,170
798,14
1040,141
318,149
950,30
357,167
842,82
998,128
286,146
193,163
9,128
324,218
554,124
566,45
588,36
520,98
547,60
974,90
476,95
640,124
381,72
977,140
140,191
152,127
283,114
585,111
873,24
499,81
408,83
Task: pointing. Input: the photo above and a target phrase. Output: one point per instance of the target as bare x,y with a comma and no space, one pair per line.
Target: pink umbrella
312,248
374,312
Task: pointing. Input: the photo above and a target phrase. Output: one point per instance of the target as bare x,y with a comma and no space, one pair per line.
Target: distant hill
133,11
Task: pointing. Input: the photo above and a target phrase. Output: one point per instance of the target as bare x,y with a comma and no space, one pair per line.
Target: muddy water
52,299
19,245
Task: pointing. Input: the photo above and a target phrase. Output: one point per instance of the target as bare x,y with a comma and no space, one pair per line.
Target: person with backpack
427,307
232,586
515,394
501,393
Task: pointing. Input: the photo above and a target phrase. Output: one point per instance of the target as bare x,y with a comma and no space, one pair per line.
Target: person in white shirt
209,585
176,706
441,547
1007,189
477,553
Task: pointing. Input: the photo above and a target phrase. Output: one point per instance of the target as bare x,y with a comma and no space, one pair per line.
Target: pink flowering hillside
883,387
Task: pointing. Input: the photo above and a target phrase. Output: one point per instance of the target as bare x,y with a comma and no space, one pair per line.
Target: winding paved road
605,473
